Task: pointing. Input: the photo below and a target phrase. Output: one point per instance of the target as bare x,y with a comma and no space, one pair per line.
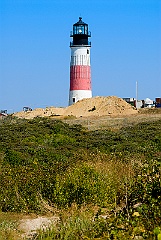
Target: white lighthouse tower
80,69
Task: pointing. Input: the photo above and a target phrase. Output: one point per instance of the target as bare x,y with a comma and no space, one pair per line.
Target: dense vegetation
112,177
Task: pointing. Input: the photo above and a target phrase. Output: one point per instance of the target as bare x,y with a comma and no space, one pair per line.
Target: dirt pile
100,106
41,112
96,106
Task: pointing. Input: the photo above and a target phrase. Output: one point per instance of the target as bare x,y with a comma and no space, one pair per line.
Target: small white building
148,103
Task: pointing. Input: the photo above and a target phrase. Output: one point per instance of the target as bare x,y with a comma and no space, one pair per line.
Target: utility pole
136,94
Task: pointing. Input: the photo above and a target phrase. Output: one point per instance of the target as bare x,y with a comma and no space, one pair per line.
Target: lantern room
80,34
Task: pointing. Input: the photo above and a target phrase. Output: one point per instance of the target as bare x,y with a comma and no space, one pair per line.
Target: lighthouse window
86,30
80,29
74,30
73,100
87,51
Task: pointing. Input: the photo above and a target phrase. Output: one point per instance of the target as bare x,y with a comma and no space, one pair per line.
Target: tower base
76,95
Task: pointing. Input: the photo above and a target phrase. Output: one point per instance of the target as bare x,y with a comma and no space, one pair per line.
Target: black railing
71,44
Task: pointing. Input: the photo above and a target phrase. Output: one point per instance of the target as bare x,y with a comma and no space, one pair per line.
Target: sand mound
100,106
96,106
41,112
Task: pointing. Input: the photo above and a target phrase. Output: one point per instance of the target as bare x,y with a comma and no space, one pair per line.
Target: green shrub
83,185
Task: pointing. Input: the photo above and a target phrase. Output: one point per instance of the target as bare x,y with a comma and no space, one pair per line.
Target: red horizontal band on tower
80,77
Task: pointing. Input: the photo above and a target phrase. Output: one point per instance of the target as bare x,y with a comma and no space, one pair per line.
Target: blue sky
35,53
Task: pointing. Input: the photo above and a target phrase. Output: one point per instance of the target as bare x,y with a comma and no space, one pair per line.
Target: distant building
139,104
148,103
3,111
132,101
158,102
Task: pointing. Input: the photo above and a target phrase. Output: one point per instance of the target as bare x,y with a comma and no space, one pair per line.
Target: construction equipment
26,109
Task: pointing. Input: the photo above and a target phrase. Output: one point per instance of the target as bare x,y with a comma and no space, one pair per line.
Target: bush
83,185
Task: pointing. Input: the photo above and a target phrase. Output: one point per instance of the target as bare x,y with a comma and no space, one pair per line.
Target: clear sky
35,53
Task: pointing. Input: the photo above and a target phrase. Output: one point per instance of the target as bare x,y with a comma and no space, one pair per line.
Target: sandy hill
96,106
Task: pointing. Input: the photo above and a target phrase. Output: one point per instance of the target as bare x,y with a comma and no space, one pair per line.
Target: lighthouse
80,69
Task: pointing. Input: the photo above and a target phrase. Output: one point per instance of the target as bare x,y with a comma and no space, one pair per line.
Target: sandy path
29,226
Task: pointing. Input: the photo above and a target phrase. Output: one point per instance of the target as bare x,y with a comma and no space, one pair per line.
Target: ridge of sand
96,106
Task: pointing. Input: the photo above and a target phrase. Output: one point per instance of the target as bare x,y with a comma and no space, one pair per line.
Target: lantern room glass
80,29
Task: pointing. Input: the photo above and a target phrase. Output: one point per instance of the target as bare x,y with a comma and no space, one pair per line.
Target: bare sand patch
29,226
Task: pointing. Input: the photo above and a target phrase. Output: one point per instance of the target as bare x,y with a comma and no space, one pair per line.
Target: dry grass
115,123
9,226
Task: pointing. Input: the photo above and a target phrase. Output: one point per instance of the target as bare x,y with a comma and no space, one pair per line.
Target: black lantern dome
80,34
